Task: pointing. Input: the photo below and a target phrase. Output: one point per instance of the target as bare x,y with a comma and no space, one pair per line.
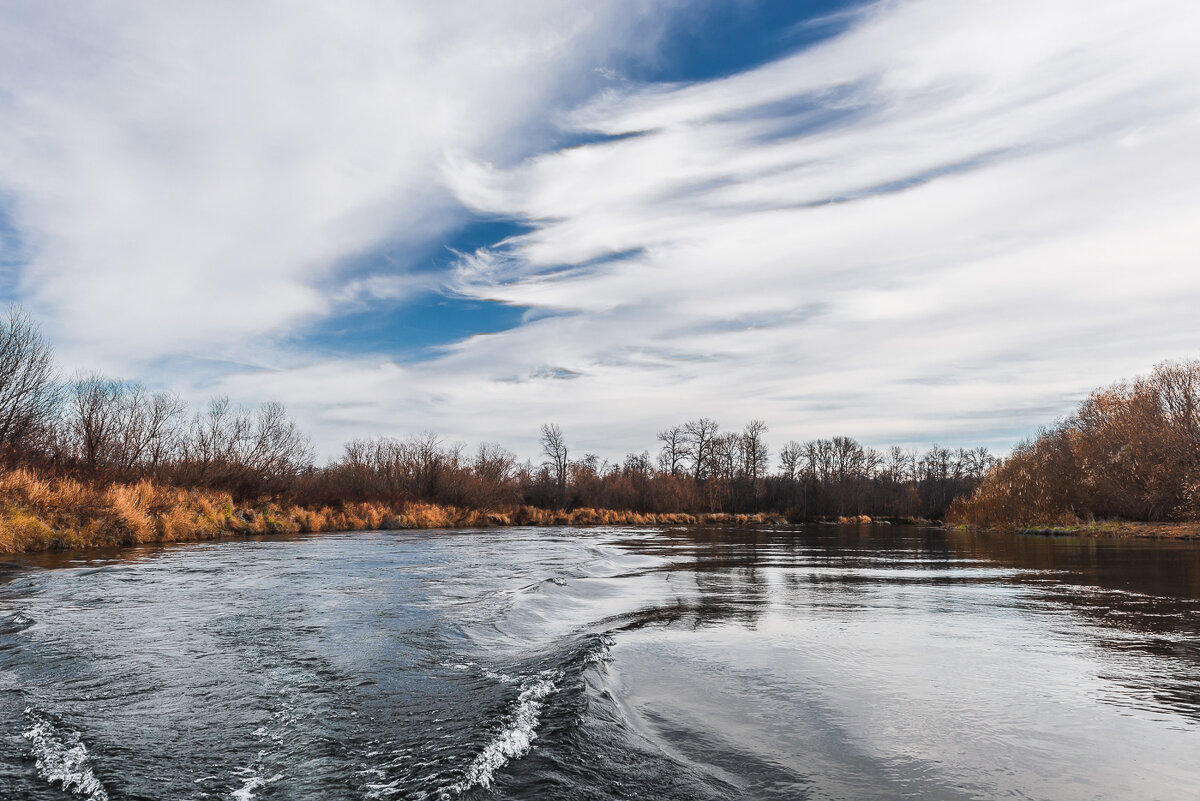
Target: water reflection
1140,599
791,662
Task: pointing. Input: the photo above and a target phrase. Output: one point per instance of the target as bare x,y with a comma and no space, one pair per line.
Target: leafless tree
699,436
121,427
898,465
818,460
791,457
755,454
28,390
725,456
554,447
873,462
494,463
674,453
247,452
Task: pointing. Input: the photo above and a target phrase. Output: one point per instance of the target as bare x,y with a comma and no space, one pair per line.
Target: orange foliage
1131,451
39,513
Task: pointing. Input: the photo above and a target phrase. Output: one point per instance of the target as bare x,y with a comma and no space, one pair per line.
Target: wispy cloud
984,208
945,223
188,176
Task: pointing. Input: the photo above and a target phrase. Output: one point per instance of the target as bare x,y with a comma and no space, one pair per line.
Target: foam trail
515,740
62,757
246,791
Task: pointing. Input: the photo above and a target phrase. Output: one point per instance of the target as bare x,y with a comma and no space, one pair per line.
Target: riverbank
46,514
1119,529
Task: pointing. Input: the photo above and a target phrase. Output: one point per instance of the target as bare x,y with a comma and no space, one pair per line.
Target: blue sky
699,42
906,221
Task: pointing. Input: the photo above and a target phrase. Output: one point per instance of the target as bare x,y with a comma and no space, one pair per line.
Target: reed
40,513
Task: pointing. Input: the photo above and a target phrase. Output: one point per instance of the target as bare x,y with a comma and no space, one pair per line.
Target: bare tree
94,417
674,451
899,464
790,460
245,452
849,459
494,463
28,391
754,453
725,456
873,461
700,435
554,447
278,449
120,427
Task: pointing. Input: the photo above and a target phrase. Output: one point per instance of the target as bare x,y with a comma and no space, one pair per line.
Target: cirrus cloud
946,222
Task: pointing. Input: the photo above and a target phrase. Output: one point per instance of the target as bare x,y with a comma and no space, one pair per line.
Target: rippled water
795,663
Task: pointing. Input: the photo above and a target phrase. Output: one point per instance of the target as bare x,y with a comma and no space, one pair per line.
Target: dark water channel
794,663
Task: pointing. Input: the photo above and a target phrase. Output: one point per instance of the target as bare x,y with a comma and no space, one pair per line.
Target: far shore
1124,529
126,516
230,521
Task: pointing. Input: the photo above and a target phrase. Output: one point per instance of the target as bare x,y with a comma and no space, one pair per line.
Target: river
786,663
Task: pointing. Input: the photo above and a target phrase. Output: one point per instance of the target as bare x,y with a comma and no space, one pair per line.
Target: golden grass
39,513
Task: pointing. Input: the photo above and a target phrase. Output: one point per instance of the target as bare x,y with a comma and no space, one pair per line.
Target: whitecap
246,791
517,736
503,678
61,757
602,653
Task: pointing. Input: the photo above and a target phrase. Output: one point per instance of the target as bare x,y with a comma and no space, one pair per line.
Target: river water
788,663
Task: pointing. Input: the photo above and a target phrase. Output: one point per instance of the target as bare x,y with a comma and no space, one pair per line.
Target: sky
908,221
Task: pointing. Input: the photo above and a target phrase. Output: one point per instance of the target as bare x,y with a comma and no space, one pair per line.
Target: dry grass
38,513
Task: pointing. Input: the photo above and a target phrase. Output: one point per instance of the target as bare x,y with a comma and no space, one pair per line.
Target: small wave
517,737
543,584
21,619
503,678
602,652
252,783
487,672
62,757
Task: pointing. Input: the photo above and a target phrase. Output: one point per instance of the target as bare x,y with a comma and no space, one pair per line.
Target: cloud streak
947,222
189,177
978,211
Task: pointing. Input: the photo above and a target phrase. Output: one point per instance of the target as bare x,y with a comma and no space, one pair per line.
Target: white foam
517,737
62,757
246,791
603,653
503,678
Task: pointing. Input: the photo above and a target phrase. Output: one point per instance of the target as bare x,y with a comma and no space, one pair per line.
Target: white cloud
947,223
990,213
189,176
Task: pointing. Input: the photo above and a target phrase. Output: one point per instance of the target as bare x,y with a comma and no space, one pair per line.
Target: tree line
1131,451
104,429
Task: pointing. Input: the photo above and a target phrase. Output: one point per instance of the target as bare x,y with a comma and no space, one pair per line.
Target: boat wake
61,756
517,736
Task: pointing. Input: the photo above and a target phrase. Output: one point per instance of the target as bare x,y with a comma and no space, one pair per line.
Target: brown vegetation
98,461
40,513
1130,452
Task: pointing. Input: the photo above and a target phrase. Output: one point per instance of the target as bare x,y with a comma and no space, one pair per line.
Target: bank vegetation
89,460
1130,454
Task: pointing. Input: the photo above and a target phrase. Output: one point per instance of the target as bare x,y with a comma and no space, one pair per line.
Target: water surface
788,663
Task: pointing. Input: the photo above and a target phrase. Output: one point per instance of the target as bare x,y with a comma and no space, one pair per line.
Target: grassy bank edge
49,514
1117,529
